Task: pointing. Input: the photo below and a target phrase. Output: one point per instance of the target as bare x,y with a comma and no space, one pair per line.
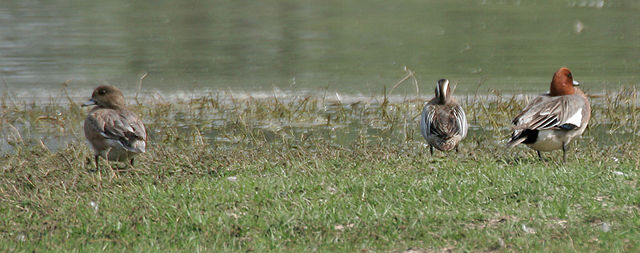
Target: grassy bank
311,173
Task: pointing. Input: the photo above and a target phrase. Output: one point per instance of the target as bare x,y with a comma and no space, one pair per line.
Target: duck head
106,96
443,92
562,83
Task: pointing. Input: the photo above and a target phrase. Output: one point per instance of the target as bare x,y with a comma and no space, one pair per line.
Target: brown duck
114,132
443,123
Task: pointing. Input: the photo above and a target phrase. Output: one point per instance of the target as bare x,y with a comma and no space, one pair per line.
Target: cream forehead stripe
444,87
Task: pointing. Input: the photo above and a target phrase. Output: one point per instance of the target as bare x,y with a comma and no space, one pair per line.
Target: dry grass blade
410,75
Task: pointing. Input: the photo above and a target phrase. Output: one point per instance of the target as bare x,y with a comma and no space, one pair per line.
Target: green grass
310,174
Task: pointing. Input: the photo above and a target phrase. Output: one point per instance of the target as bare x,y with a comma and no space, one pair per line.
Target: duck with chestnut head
553,119
114,132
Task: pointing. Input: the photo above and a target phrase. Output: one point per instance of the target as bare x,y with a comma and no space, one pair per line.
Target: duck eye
569,75
102,92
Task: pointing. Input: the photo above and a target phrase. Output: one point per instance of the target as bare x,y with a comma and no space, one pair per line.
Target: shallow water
256,122
355,47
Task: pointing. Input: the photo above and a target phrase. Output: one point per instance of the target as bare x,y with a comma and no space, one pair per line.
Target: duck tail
135,146
513,142
516,138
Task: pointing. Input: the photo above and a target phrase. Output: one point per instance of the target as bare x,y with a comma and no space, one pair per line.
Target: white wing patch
576,118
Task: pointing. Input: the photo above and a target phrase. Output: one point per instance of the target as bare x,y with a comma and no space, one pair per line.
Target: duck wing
443,121
122,126
461,120
547,112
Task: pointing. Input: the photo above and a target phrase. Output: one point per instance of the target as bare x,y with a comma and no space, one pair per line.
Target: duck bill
89,103
576,83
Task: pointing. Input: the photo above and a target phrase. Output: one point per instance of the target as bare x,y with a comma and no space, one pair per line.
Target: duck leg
431,148
96,157
540,156
131,162
113,173
564,152
457,149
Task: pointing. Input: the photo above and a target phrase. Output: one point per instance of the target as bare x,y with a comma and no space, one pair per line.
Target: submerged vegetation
316,173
